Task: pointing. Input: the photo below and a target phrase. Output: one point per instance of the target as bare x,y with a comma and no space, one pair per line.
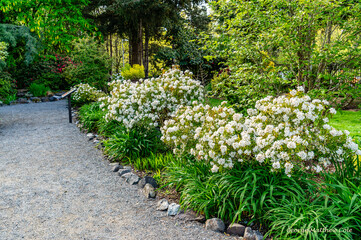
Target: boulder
35,99
162,205
258,235
45,99
121,172
215,224
149,191
130,178
146,180
23,100
249,234
236,229
173,209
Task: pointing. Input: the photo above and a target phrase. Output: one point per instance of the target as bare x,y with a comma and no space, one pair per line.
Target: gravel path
55,185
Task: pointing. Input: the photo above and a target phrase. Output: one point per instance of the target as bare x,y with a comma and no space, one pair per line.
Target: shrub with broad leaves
287,131
150,102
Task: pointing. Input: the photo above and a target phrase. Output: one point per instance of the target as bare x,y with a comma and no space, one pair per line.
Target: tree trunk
111,53
146,54
136,46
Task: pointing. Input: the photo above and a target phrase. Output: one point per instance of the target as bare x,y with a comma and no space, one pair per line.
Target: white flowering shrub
86,93
283,132
150,102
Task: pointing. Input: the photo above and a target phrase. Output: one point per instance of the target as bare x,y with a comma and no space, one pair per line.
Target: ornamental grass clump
86,94
283,132
150,102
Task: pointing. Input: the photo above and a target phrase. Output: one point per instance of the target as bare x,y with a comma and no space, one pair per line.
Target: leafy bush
3,54
91,116
285,131
242,193
151,101
91,64
127,144
7,85
154,162
133,73
38,90
86,94
290,49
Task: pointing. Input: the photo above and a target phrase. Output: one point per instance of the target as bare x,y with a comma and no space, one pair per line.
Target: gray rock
173,208
116,167
113,164
249,234
215,224
90,136
121,172
190,216
23,100
258,235
149,191
127,167
162,205
131,178
146,180
236,229
1,103
45,99
35,99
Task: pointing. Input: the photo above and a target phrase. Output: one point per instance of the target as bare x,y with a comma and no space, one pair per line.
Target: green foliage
251,194
55,22
279,44
133,73
22,44
7,85
109,128
10,98
38,90
91,116
242,193
126,144
91,64
154,162
3,54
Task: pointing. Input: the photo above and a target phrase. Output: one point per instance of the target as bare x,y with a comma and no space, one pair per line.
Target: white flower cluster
283,132
86,93
149,102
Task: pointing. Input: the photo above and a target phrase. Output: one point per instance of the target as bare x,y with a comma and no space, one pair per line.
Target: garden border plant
248,191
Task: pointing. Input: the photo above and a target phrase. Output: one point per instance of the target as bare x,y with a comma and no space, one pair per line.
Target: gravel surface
54,184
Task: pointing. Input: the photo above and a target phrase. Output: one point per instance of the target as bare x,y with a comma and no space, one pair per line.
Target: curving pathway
55,185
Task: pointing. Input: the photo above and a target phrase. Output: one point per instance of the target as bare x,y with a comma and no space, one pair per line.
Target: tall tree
137,20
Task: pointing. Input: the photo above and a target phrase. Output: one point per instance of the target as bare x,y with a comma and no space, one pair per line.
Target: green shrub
330,207
133,73
10,98
154,162
90,64
38,90
7,86
109,128
91,116
130,144
242,193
